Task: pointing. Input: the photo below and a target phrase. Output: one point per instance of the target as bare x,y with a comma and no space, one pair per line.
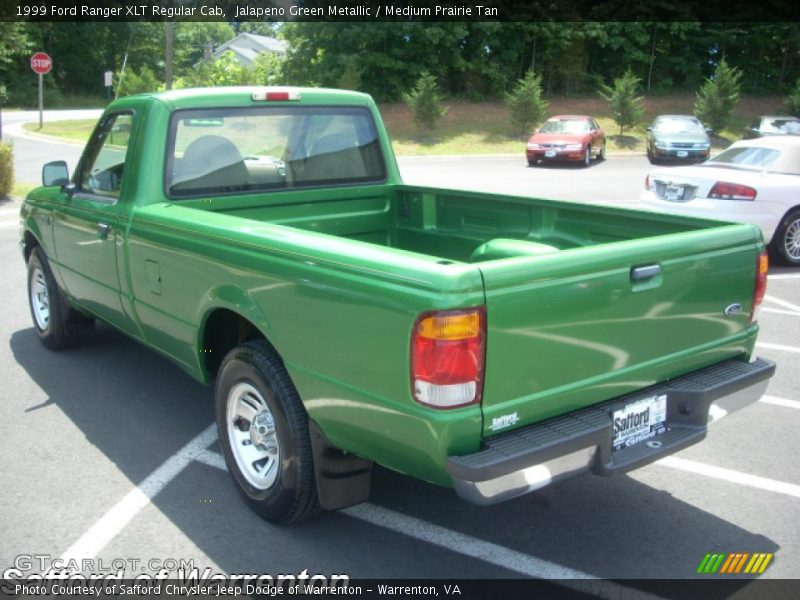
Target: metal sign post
41,64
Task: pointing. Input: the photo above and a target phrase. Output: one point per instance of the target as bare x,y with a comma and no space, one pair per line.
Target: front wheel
263,431
786,241
587,156
55,322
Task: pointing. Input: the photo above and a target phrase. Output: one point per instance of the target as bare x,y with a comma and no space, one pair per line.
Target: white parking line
755,481
118,516
785,276
779,311
780,402
467,545
778,347
782,303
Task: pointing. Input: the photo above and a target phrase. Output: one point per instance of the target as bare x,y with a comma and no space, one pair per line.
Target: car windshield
678,126
565,126
780,126
747,157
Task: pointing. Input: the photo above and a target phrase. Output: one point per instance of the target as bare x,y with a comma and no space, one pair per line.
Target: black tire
291,495
62,325
650,156
785,244
601,154
532,163
587,156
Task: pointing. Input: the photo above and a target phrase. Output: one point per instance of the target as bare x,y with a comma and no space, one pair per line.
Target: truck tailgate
573,328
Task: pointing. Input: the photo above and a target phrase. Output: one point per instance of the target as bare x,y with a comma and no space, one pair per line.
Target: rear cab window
238,150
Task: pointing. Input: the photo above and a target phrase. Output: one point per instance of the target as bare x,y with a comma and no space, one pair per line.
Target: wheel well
224,330
30,243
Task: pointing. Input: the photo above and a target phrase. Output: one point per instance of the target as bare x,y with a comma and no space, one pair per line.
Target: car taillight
647,182
760,288
732,191
447,357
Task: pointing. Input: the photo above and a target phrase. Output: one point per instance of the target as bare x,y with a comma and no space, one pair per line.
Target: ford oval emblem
733,309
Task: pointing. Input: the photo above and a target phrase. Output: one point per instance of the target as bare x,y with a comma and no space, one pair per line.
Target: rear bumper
532,457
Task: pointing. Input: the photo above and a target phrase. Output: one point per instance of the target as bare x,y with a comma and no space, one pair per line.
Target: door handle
103,229
645,272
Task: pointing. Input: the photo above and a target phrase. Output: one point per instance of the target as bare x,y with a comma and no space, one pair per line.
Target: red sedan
567,137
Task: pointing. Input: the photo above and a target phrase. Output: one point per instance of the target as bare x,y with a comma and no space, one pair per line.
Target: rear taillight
723,190
647,182
760,288
447,357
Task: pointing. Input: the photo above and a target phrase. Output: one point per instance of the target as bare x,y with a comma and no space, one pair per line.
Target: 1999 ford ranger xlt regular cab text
262,238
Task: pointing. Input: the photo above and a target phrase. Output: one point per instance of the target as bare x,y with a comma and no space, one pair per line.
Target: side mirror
709,131
55,173
649,129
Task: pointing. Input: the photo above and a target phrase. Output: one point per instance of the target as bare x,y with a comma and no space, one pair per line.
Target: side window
102,167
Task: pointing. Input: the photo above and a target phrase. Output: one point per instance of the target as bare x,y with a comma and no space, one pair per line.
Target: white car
752,181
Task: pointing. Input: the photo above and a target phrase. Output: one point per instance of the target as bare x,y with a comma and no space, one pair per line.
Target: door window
102,170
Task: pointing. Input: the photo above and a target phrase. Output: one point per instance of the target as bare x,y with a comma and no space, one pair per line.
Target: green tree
425,102
526,104
626,107
133,82
718,96
793,101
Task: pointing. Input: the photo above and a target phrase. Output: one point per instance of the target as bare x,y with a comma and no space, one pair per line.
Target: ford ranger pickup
263,239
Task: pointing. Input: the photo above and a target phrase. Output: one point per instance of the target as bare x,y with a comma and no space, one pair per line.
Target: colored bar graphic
734,563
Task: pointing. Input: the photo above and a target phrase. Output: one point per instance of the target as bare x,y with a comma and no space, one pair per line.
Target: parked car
753,181
567,137
677,137
772,125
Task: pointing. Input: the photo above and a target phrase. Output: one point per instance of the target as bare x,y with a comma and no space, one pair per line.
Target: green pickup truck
262,238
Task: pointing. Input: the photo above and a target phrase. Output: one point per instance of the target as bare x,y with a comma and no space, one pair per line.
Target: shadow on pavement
139,409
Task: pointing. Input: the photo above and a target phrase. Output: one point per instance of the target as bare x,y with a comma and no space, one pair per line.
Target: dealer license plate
639,421
550,154
682,153
673,192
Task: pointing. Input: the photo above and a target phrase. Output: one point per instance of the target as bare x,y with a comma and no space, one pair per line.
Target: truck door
86,222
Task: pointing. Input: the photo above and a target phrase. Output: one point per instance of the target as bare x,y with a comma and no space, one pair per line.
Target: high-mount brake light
723,190
447,357
760,287
276,95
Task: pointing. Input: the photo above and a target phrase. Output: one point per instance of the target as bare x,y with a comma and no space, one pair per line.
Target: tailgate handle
646,272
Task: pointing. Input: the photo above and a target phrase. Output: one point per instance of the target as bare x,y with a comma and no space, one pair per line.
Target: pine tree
626,107
526,104
426,102
718,96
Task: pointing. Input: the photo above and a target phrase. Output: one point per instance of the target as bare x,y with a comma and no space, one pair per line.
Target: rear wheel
786,241
601,154
263,431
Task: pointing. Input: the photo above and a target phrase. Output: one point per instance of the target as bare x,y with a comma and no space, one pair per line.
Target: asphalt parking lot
109,453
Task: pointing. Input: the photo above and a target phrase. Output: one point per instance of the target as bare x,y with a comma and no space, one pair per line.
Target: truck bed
451,226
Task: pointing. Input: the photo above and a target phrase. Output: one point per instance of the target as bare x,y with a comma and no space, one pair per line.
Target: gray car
678,138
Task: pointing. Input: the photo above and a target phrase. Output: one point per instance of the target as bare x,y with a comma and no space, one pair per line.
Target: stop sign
41,63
